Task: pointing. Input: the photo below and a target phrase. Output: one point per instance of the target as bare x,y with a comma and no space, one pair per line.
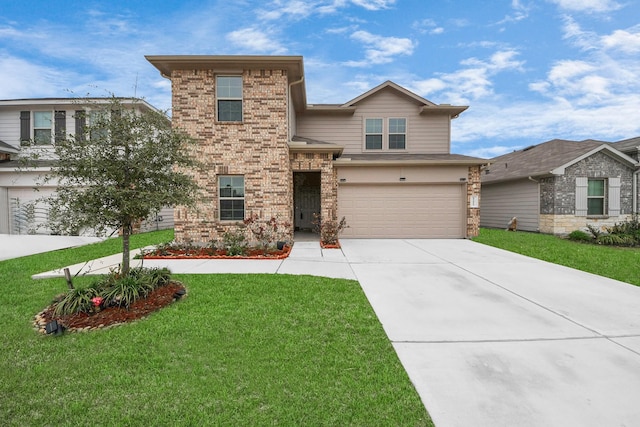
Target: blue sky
529,71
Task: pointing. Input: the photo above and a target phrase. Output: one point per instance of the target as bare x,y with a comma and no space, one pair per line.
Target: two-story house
381,160
43,121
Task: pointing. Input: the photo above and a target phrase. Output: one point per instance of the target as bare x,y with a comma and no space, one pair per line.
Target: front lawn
617,263
239,350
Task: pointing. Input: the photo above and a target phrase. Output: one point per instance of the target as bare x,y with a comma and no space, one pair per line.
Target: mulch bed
207,253
157,299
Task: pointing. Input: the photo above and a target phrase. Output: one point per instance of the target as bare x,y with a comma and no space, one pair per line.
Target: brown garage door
402,211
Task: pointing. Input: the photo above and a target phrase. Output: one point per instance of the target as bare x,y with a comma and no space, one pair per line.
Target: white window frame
35,128
603,198
374,133
390,133
231,197
221,96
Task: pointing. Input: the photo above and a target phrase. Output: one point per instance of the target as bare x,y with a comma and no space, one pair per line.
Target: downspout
537,202
288,109
635,191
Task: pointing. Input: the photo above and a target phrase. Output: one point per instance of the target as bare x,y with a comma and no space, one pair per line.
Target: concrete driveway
492,338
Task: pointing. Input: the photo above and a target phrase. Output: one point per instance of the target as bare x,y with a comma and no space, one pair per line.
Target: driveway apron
493,338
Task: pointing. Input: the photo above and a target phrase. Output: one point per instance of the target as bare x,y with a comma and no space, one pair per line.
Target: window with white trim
231,197
373,134
229,98
397,134
596,196
42,126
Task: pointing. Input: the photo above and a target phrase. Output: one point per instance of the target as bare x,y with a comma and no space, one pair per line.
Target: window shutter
60,125
614,196
581,195
25,125
81,123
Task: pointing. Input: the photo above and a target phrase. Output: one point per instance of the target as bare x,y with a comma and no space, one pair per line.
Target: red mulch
207,253
156,300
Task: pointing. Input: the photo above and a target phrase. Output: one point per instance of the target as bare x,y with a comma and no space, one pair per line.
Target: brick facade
255,148
473,190
322,162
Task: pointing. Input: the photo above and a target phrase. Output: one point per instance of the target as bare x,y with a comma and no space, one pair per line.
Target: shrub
580,236
265,234
75,301
329,229
124,292
616,240
113,289
235,242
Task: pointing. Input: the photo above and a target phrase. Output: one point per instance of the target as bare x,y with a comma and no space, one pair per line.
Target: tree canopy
123,165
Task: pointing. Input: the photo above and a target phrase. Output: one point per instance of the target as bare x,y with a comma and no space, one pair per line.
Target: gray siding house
560,186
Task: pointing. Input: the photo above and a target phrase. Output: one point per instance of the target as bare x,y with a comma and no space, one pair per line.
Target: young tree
124,166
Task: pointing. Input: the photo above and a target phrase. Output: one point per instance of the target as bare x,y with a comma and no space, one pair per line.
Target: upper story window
385,135
397,134
596,197
229,98
43,126
373,134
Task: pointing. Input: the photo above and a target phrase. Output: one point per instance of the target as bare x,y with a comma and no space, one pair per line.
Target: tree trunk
126,232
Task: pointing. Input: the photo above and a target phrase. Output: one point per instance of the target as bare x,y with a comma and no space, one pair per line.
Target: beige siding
425,134
502,201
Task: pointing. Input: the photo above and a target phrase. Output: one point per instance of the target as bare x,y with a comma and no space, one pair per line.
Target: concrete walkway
17,245
488,337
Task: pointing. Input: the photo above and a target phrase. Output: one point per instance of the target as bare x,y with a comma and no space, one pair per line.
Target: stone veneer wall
255,148
565,224
558,200
473,189
323,162
558,194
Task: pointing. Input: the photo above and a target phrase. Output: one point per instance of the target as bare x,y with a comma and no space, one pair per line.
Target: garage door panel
402,211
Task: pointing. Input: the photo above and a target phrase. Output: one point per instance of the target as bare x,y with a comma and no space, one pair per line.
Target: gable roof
549,158
627,145
426,106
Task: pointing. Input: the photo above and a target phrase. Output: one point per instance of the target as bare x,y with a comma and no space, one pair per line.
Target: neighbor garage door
402,211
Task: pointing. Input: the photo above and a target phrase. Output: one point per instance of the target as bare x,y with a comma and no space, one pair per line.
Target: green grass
239,350
616,263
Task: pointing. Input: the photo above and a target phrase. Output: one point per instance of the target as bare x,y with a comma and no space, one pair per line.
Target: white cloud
520,12
624,41
429,26
255,40
588,6
23,79
379,49
472,82
374,4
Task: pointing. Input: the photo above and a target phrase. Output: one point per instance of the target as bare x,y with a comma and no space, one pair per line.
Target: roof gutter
290,98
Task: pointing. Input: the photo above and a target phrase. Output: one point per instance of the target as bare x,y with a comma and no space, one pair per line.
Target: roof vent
528,148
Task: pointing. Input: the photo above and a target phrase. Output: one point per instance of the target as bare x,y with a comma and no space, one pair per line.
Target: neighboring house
560,186
381,160
43,120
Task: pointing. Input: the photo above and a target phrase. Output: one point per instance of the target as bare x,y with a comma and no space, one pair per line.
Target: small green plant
595,231
124,292
580,236
235,242
616,240
75,301
112,289
329,229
